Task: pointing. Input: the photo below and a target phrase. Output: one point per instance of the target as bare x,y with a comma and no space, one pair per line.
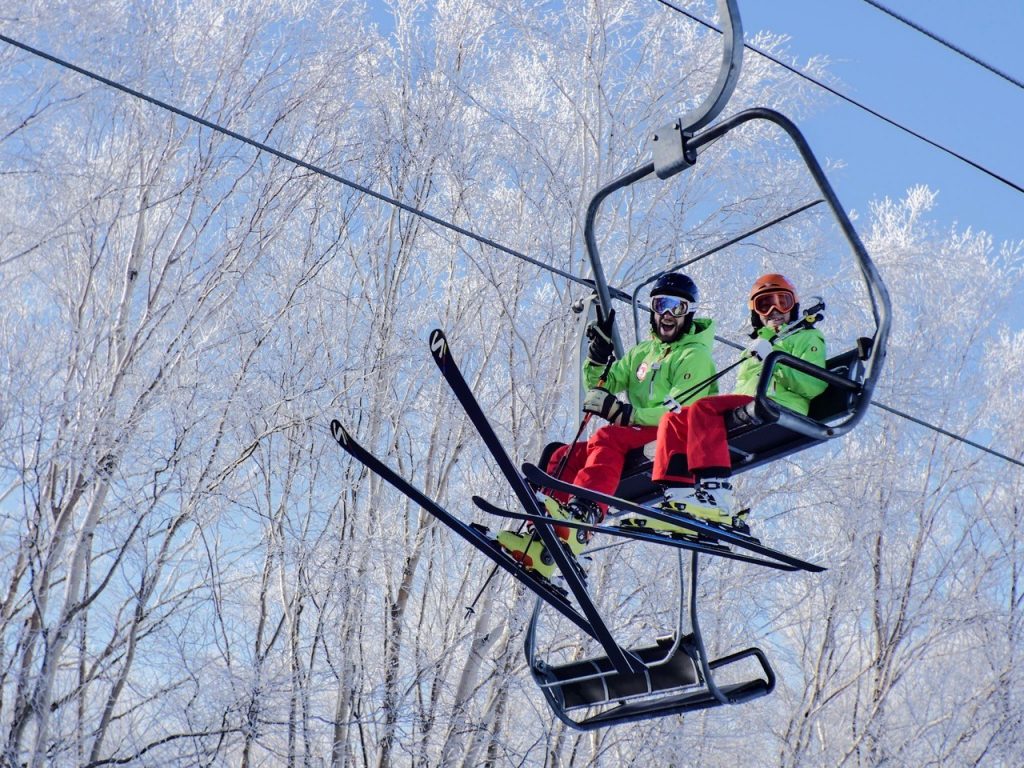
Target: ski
701,546
541,478
474,534
621,660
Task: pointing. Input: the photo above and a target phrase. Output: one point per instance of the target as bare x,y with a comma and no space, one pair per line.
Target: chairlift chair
675,675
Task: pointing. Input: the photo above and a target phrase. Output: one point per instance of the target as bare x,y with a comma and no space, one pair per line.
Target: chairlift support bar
728,72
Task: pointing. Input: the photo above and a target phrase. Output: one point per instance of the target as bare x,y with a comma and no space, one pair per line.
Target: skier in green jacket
677,357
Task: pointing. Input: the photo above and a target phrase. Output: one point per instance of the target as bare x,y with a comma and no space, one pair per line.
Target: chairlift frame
871,351
764,431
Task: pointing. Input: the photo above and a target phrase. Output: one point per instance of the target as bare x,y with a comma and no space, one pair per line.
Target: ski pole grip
600,383
813,314
807,320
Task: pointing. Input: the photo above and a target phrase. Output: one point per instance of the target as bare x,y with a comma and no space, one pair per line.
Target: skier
677,356
692,459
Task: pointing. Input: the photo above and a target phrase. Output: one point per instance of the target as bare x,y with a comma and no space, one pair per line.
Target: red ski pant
598,463
693,440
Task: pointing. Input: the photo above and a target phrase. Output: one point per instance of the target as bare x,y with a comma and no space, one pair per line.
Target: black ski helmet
676,284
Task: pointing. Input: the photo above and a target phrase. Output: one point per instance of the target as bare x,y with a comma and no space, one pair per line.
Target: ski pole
673,400
583,423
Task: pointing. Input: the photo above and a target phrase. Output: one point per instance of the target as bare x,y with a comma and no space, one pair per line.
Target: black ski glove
607,406
600,334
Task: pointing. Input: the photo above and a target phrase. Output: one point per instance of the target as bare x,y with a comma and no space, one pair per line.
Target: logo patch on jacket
641,372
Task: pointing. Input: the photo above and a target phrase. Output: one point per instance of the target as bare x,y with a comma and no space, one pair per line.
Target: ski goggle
781,300
674,305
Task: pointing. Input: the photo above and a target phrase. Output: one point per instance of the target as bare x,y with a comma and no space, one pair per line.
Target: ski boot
529,549
709,501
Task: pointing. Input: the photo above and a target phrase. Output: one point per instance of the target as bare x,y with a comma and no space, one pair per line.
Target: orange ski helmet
772,290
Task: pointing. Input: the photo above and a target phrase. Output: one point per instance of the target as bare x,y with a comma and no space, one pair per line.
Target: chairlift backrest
835,402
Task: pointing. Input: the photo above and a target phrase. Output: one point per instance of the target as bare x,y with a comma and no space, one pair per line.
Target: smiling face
775,319
668,326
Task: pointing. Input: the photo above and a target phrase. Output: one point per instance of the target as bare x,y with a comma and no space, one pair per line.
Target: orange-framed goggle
783,301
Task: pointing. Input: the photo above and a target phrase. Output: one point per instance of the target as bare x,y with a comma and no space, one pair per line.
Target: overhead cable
271,150
848,99
947,433
941,41
404,206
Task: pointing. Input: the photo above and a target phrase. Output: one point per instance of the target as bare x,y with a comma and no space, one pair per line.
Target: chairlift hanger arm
668,143
728,73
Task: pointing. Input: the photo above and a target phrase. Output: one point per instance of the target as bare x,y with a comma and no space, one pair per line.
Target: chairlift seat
594,681
762,430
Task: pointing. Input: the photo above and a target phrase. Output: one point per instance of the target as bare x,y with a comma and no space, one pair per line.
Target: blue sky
921,84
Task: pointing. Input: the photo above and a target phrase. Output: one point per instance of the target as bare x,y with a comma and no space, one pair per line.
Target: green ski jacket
653,370
790,389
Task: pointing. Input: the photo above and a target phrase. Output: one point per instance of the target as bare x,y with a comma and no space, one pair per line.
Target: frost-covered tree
191,573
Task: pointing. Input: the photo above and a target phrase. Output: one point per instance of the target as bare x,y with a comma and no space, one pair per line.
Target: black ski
702,546
620,659
541,478
475,535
